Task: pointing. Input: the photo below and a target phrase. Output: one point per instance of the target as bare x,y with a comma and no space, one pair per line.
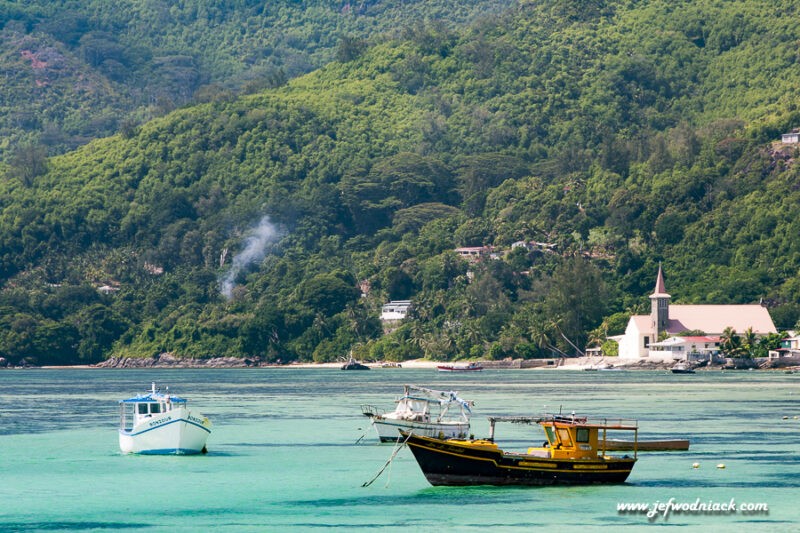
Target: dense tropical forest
75,70
274,224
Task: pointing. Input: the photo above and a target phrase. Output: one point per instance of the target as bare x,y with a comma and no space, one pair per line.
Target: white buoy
721,466
695,465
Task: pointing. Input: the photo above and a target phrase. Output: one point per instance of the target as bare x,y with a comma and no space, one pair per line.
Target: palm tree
749,342
730,342
541,334
598,335
555,323
470,336
416,334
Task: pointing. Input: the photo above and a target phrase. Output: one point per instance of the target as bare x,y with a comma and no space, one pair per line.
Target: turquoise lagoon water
283,453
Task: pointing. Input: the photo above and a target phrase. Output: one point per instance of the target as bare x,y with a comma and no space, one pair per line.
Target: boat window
142,408
551,437
582,435
126,417
563,436
155,407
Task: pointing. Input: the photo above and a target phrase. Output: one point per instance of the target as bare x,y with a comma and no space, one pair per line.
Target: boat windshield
132,413
412,405
150,408
564,437
551,436
126,416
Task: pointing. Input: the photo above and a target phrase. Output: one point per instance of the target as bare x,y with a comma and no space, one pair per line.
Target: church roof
713,319
642,322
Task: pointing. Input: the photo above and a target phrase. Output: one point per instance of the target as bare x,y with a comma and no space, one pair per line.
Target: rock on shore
167,360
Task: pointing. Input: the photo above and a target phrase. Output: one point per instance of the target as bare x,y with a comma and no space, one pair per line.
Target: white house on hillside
643,331
791,138
395,310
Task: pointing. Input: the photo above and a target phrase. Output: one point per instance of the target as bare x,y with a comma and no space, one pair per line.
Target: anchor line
398,447
365,433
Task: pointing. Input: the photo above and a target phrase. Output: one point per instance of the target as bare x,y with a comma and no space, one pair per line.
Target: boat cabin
419,404
410,408
416,403
138,409
570,436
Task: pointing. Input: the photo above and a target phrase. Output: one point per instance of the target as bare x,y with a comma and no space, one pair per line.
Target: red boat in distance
471,367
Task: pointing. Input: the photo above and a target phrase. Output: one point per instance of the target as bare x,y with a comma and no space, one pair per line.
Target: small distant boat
682,369
471,367
574,454
663,445
159,423
391,365
604,368
352,364
425,412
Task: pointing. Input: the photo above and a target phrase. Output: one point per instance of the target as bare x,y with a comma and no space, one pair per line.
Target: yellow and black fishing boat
574,454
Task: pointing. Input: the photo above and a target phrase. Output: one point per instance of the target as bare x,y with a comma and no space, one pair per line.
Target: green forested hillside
74,70
620,133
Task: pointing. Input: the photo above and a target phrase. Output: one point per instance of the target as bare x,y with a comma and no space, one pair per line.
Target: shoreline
572,364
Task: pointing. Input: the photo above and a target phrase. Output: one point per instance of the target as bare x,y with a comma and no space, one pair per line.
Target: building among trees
667,320
792,137
395,310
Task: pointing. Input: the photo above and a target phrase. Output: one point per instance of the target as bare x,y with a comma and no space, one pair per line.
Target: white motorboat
159,423
426,412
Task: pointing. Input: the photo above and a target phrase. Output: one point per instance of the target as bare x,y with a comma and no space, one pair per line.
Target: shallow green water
282,455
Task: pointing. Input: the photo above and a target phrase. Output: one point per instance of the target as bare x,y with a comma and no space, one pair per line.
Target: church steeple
659,306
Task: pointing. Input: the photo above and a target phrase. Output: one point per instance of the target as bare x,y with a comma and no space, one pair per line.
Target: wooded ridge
274,225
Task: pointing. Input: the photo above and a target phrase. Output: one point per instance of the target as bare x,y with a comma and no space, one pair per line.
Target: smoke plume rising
256,246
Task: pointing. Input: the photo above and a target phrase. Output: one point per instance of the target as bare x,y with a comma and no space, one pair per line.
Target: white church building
643,331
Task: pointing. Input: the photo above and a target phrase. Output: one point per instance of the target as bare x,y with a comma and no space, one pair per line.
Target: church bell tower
659,307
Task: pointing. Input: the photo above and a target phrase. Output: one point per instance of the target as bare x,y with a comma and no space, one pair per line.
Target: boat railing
600,423
370,410
624,424
515,419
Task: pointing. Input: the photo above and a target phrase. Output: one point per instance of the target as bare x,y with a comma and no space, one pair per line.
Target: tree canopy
578,144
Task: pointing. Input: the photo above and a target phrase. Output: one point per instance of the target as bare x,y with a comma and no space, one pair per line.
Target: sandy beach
576,363
573,363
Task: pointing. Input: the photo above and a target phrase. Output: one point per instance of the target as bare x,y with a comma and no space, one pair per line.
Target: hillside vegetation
619,134
75,70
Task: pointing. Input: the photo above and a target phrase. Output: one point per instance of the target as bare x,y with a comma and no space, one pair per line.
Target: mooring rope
397,448
371,423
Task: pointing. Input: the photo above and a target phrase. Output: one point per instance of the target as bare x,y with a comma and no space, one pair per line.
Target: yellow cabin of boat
566,440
